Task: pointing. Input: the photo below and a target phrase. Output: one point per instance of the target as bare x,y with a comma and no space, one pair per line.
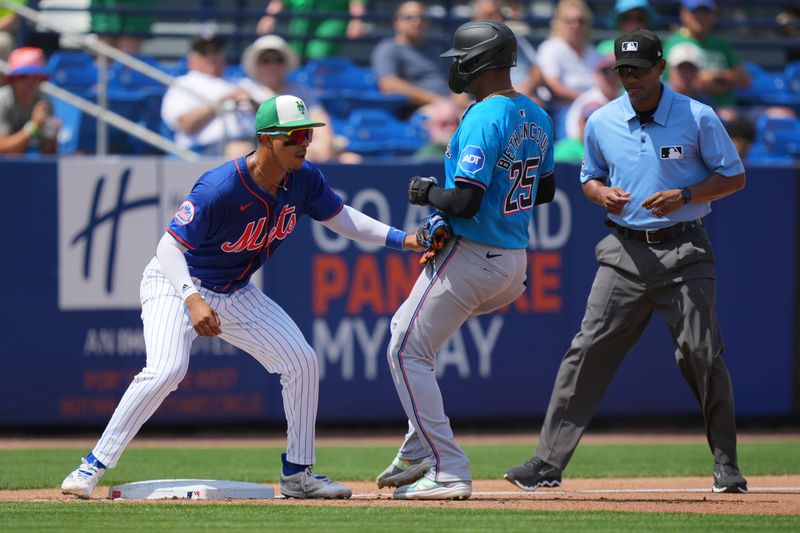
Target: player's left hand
432,234
418,189
664,203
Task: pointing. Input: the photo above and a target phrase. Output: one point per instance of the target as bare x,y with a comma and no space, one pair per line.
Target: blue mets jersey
231,226
503,145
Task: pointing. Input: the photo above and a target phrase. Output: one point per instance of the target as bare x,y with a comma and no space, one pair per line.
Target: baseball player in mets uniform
498,165
234,219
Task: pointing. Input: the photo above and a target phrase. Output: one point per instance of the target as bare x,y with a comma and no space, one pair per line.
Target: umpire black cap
638,48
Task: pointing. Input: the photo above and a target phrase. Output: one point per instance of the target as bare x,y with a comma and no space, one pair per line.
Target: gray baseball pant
461,283
635,278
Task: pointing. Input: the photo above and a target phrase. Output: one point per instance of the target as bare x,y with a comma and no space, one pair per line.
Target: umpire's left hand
664,203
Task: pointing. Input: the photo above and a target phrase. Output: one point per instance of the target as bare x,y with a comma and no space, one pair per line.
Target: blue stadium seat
377,133
343,87
767,88
779,136
72,70
128,78
791,74
341,103
79,130
334,74
234,72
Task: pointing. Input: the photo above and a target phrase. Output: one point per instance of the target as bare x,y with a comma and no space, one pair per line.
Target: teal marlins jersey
504,146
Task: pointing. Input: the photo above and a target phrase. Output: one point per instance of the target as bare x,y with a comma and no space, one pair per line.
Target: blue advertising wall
79,232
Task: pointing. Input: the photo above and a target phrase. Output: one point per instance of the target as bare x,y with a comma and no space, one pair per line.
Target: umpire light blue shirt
684,144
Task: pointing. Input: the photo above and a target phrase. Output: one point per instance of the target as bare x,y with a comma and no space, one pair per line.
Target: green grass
39,468
175,518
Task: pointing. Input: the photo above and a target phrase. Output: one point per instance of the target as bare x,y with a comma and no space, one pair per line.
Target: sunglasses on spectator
269,59
296,137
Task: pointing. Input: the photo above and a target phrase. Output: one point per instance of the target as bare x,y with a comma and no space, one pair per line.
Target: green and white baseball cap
285,111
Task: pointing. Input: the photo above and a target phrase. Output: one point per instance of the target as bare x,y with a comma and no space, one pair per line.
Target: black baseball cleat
532,474
728,479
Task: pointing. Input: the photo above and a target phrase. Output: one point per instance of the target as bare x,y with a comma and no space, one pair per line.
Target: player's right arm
169,253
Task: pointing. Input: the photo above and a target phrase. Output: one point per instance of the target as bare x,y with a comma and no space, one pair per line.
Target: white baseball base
190,489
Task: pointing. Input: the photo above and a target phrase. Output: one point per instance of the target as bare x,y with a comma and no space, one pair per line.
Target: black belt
655,236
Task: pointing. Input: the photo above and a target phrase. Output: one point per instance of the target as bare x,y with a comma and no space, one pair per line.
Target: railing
100,110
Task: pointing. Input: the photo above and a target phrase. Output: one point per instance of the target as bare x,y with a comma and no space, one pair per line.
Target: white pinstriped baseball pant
252,322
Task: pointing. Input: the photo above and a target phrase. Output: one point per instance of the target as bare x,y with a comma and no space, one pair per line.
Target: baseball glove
433,232
418,189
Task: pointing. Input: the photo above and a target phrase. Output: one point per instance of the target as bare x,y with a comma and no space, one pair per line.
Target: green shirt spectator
568,150
316,38
722,71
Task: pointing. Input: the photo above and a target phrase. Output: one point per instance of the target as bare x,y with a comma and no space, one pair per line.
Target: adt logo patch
672,152
630,46
471,159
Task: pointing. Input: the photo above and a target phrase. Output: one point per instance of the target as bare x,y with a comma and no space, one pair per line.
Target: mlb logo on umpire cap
638,48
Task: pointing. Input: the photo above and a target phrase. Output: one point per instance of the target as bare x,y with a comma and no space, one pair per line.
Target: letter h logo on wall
108,227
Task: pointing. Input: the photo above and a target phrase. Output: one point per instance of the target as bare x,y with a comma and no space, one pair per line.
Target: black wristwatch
686,192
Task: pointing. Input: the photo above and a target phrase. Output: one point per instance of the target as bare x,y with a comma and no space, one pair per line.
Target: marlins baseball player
234,219
498,165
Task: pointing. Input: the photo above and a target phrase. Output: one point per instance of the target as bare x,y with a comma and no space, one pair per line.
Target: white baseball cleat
428,489
306,484
403,472
82,481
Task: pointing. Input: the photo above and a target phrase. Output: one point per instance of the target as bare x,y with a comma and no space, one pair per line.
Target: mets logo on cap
284,112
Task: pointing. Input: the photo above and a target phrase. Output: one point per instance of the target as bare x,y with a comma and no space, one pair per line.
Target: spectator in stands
526,76
26,118
743,133
405,64
607,87
628,15
125,31
684,62
315,38
8,27
566,58
441,123
208,113
722,72
267,62
570,149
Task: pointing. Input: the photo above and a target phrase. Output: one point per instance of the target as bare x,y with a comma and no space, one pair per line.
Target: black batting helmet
478,46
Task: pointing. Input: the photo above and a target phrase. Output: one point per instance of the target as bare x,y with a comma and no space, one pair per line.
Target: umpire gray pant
675,278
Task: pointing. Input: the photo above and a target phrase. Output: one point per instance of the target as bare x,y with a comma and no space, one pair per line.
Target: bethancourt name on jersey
527,131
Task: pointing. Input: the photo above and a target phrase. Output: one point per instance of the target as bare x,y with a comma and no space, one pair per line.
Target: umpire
655,160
